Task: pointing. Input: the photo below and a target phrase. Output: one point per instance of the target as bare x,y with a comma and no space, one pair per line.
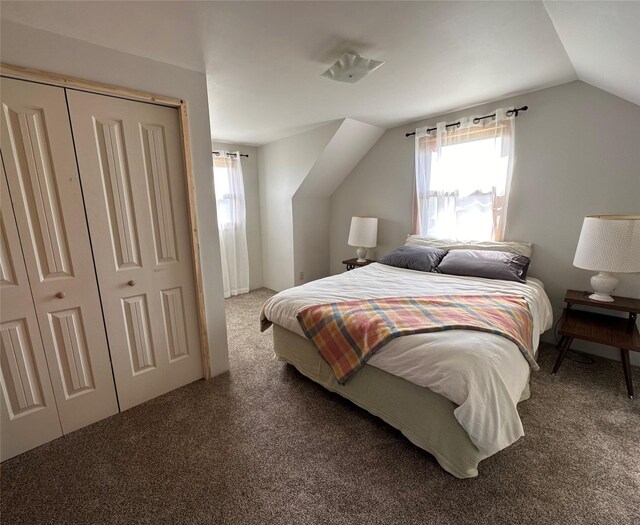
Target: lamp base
362,254
603,284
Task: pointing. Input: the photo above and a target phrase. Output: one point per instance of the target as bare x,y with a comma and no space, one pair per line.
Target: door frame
44,77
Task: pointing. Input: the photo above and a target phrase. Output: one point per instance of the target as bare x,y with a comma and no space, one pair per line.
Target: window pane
469,167
221,181
224,212
223,194
463,184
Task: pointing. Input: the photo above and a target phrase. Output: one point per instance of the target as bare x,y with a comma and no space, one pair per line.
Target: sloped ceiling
602,40
263,60
351,141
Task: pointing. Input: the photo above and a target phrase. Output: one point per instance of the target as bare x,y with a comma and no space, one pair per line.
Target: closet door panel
42,174
29,416
131,166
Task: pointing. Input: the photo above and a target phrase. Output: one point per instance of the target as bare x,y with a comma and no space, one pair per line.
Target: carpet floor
264,445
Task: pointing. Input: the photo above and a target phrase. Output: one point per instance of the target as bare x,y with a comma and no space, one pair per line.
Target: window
224,197
230,204
462,180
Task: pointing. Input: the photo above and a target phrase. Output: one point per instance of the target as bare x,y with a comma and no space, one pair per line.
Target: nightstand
353,263
600,328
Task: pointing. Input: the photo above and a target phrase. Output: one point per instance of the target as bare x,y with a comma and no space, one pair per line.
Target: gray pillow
414,258
487,264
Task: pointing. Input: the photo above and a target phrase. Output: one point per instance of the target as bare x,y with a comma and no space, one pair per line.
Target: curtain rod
230,154
476,120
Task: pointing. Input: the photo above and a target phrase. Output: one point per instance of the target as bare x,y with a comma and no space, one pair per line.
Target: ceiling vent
351,67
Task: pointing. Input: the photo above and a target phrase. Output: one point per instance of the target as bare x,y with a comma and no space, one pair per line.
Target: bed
453,393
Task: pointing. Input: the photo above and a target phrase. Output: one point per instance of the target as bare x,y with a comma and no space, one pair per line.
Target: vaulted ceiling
263,60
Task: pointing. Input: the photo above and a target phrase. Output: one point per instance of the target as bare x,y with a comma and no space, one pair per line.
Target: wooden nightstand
353,263
600,328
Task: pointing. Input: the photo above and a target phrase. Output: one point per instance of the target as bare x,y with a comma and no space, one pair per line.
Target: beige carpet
262,444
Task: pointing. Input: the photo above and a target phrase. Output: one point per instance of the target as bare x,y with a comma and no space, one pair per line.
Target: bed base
424,417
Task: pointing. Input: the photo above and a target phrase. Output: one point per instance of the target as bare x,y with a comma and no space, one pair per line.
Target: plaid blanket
348,333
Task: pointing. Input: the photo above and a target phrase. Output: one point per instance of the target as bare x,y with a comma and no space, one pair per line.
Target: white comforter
484,374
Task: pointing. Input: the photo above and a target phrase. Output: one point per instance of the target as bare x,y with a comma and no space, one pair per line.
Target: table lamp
608,243
363,234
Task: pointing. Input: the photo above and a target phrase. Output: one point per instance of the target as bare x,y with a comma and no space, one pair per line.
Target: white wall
28,47
252,202
282,166
297,176
311,221
577,153
312,201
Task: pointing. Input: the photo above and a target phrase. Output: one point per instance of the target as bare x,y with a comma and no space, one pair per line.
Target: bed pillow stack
507,261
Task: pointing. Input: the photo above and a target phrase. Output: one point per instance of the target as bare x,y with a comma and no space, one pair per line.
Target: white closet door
29,412
39,158
132,172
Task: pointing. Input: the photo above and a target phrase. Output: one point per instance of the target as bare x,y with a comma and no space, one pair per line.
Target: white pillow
517,247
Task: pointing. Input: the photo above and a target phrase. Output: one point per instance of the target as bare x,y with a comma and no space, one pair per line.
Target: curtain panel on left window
232,222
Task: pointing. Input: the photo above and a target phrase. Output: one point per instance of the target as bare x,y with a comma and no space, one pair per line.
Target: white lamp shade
609,243
363,232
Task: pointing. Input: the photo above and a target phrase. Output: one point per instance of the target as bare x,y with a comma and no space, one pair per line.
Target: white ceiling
264,59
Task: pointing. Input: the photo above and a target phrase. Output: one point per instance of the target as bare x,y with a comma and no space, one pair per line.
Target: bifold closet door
131,167
29,412
39,159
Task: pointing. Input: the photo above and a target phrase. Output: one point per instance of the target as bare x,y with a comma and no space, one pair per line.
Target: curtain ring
476,120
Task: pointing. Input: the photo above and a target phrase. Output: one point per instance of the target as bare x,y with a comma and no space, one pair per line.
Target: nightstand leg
561,342
626,366
564,348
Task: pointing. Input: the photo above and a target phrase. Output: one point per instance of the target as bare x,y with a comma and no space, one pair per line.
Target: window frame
427,145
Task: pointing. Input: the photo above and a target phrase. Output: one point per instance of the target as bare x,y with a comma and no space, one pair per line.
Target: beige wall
577,153
252,201
28,47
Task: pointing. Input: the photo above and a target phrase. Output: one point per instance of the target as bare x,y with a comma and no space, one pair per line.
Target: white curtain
232,220
463,175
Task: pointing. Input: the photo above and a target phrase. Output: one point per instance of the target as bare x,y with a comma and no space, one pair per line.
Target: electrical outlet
301,276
